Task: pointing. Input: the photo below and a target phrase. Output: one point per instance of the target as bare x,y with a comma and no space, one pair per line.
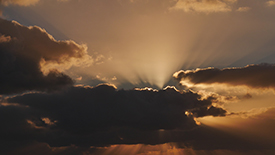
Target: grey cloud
209,111
99,116
256,76
102,116
22,49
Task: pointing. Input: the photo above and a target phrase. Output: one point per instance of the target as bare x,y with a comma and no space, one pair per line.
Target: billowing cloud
99,116
206,6
256,76
25,52
85,119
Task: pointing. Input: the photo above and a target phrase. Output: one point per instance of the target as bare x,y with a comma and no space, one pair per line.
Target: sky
169,77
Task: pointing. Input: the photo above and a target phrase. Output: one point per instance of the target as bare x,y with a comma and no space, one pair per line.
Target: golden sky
137,76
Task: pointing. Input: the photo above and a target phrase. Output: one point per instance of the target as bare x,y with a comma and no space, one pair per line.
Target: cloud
99,116
83,117
19,135
18,2
205,6
4,39
209,111
243,9
255,76
27,51
270,3
23,2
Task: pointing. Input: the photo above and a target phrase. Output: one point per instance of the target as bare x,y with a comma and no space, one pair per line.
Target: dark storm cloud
21,51
99,116
256,76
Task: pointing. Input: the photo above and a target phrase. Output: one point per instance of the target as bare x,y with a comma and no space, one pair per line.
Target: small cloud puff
243,9
204,6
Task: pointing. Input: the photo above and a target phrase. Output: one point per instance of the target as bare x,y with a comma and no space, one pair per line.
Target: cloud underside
100,116
206,6
25,52
255,76
81,117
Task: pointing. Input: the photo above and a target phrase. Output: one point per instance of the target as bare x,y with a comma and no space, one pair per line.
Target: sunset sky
169,77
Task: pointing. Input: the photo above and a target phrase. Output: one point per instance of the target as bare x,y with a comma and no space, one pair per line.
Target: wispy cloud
205,6
24,3
243,9
19,2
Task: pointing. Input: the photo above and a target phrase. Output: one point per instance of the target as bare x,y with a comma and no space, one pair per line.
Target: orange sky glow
126,77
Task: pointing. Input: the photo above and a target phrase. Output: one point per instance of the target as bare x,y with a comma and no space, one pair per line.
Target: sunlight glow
161,149
123,149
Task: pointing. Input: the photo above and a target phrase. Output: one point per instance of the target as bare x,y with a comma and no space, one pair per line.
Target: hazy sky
148,40
217,56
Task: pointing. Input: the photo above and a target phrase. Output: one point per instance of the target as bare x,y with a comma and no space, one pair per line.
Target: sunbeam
127,77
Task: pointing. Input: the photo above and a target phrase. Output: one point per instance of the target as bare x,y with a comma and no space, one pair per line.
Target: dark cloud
256,76
99,116
73,120
22,49
209,111
247,96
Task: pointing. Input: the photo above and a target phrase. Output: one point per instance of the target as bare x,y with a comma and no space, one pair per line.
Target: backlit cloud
25,54
86,117
57,99
256,76
102,115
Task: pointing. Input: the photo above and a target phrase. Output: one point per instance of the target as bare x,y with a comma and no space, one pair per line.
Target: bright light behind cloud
145,45
107,64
